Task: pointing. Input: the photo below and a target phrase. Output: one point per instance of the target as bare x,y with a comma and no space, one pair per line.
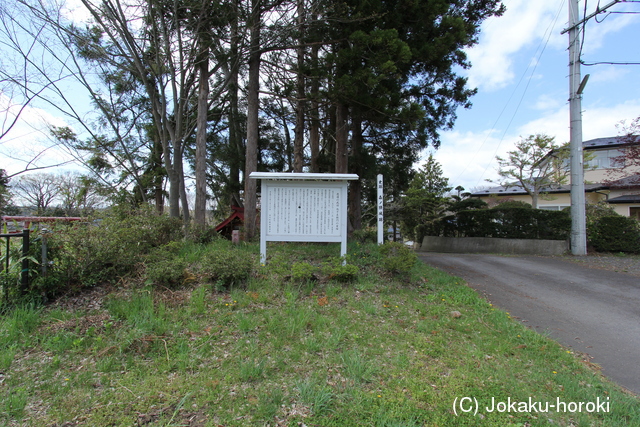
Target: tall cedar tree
394,74
425,199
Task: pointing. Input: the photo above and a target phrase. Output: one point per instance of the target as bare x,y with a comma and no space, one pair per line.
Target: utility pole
578,212
576,86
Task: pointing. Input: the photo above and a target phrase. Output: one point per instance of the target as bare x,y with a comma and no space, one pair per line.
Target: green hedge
511,223
615,234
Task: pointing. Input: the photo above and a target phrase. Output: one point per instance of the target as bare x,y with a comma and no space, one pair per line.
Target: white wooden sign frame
303,207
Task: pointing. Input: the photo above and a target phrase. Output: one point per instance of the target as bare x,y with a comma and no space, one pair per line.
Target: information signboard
303,207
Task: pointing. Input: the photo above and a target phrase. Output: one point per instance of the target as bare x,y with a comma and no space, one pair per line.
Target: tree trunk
298,143
200,209
184,201
158,180
235,139
250,185
342,134
355,193
314,127
174,193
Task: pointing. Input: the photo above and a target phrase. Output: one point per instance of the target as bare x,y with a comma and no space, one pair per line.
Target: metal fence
24,260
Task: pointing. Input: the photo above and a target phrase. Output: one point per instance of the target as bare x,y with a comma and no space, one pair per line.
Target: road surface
593,311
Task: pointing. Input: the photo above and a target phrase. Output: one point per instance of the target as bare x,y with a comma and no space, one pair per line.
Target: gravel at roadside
629,264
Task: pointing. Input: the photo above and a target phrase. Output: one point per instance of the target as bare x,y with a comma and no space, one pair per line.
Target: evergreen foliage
425,202
615,234
378,77
510,223
397,258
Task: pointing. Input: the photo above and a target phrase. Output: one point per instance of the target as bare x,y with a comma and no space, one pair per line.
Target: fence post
43,251
5,283
25,261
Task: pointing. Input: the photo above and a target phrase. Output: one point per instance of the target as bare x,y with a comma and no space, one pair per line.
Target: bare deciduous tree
39,190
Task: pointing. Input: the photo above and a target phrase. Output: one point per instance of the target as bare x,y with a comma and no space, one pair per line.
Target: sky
520,67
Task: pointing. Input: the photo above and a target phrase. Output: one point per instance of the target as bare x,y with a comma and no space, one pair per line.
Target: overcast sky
520,68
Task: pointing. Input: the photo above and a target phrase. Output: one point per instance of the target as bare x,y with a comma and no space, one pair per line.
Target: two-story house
606,179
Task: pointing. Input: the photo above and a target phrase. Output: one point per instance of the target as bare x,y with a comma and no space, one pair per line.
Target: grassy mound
291,344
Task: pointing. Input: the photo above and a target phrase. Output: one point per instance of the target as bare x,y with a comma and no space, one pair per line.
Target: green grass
379,351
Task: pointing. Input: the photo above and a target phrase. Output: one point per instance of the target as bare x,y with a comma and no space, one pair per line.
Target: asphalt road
596,312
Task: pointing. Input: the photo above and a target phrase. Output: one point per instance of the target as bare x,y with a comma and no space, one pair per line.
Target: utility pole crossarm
574,25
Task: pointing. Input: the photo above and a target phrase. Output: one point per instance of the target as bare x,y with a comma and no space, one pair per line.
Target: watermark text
471,405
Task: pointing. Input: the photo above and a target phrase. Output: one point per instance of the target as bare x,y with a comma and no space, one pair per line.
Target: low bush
202,234
302,272
165,267
343,273
105,249
397,258
226,265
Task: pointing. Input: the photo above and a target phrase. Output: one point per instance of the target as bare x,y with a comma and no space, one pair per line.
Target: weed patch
381,350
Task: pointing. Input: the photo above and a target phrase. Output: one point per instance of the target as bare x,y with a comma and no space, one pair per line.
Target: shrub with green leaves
397,258
302,272
509,222
226,266
343,273
165,267
106,249
615,234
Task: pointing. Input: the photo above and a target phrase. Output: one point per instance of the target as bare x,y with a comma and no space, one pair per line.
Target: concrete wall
493,245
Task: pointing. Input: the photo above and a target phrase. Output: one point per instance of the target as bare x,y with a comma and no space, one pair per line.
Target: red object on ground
233,222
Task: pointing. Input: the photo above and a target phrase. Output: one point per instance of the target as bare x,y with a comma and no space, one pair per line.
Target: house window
634,213
551,207
605,159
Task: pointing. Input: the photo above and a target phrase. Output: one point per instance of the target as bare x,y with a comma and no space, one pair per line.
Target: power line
543,44
595,16
591,64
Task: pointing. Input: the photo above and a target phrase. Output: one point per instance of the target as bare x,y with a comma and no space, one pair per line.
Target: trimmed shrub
615,234
513,204
467,204
512,223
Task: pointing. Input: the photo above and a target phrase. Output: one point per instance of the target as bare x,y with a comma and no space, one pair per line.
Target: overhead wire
541,48
591,64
